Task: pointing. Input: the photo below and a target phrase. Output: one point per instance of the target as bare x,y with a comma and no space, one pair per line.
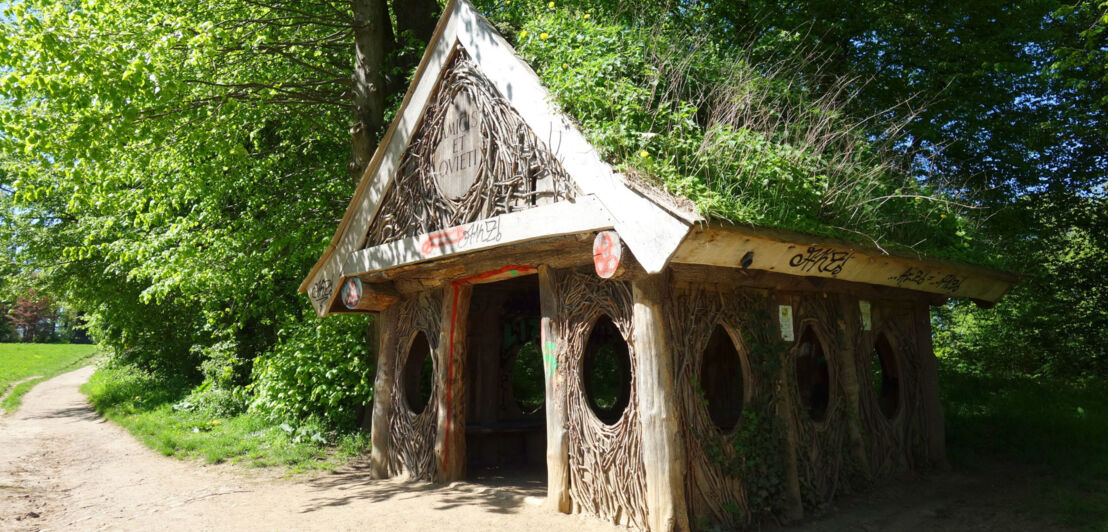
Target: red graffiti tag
441,239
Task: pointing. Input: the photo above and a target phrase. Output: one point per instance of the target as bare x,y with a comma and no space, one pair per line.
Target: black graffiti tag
482,232
919,277
821,260
950,283
321,290
912,275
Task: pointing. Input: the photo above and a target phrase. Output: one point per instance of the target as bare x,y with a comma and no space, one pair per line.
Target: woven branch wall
607,476
412,435
748,472
898,444
714,479
822,446
517,169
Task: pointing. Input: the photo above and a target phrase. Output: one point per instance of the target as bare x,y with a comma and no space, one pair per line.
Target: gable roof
656,227
652,231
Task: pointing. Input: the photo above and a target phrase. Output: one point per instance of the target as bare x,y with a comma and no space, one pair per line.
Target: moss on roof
747,141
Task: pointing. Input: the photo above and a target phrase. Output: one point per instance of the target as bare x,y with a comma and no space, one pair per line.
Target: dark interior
812,378
606,371
721,379
885,377
505,414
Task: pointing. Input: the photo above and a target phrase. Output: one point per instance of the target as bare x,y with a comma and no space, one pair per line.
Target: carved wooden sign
457,157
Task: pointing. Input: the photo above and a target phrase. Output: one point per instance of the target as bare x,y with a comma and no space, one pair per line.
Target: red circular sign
351,292
606,253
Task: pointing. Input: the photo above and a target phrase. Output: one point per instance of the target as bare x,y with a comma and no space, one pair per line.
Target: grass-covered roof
754,135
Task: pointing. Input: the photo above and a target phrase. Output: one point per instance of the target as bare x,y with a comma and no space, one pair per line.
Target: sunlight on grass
22,361
145,406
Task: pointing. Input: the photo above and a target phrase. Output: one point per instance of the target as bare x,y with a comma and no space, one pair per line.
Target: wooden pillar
655,379
557,439
450,439
934,426
786,406
853,362
382,391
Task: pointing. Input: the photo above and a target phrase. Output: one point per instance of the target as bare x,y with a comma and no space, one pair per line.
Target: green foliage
1054,322
528,379
1052,426
158,410
316,370
173,170
21,361
746,138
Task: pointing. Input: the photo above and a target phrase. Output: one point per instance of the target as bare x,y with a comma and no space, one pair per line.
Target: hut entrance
506,419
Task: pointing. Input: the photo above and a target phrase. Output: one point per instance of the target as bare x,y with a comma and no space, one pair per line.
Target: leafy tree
34,317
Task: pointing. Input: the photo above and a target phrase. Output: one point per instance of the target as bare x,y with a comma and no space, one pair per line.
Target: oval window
606,371
528,381
885,377
419,374
721,379
812,378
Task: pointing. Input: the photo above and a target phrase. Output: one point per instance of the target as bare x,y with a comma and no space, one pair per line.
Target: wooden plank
557,438
663,448
805,255
382,393
562,218
450,438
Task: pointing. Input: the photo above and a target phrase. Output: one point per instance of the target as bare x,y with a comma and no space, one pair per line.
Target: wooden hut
692,371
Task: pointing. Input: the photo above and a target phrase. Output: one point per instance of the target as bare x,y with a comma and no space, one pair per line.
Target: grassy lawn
161,413
1057,430
21,361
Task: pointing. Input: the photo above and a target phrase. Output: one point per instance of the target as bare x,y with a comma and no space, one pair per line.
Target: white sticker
867,321
785,317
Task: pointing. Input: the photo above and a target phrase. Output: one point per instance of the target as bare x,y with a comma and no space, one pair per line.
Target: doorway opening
506,406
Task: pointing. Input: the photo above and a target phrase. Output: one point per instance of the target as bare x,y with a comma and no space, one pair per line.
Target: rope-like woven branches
517,170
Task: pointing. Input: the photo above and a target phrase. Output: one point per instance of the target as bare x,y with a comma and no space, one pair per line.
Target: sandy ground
64,468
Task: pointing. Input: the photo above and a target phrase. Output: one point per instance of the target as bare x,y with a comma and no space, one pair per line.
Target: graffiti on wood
462,237
321,291
821,260
918,277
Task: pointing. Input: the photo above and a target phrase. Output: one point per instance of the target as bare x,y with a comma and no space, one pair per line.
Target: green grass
162,414
1057,430
21,361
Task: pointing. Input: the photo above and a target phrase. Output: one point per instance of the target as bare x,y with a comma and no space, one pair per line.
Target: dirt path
63,467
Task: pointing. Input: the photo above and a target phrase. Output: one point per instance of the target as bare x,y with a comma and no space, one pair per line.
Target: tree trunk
373,42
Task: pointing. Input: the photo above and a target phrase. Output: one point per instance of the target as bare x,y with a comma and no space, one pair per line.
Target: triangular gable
652,232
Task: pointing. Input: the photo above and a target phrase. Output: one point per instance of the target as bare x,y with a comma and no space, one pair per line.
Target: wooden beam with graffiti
807,255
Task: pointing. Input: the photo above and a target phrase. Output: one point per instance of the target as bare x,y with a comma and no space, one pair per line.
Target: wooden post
450,440
557,439
382,392
934,427
655,379
794,505
853,362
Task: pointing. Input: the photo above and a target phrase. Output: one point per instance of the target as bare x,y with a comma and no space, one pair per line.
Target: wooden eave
791,253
